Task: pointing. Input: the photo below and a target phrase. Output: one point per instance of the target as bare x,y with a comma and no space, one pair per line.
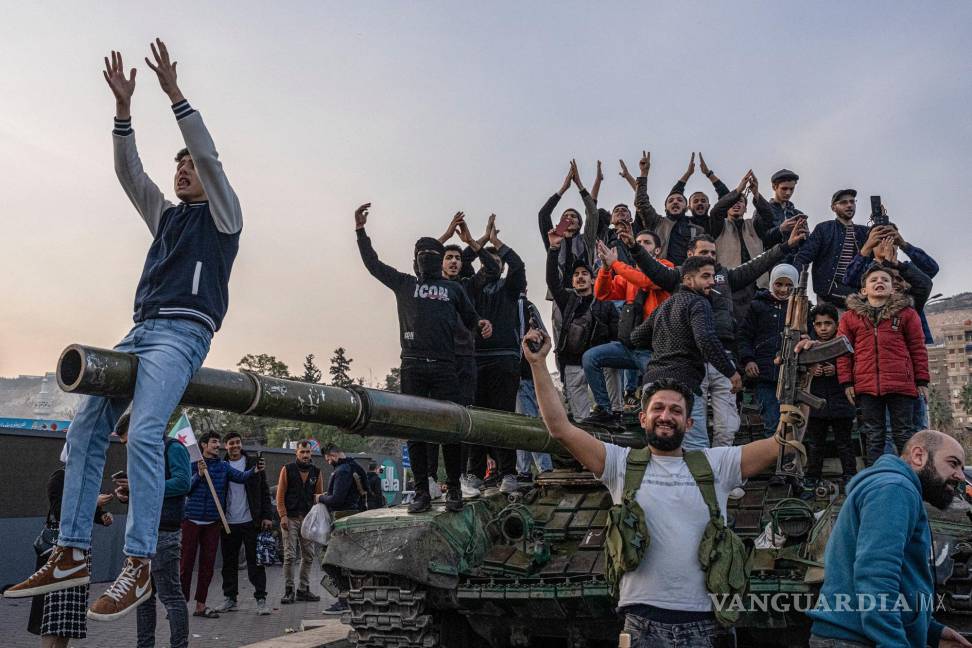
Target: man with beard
457,266
880,546
698,202
298,487
675,229
682,337
831,247
664,599
428,309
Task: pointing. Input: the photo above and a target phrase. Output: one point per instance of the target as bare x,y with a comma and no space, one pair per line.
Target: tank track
388,612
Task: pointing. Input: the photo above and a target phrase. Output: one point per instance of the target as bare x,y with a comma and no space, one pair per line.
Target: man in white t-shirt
664,600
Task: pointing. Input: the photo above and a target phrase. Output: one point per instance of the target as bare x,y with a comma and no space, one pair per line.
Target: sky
428,108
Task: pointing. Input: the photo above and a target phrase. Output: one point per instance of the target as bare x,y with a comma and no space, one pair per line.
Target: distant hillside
18,395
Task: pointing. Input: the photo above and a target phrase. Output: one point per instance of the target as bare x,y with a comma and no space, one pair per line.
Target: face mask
429,265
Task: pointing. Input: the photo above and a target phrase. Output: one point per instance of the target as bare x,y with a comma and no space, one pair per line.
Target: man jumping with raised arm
180,303
664,599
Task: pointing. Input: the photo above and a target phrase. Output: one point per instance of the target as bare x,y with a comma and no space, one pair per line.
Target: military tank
525,569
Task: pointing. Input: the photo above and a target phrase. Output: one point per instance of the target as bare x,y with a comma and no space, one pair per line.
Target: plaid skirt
62,613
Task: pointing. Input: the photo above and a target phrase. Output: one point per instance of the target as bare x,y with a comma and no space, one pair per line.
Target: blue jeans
614,355
526,404
169,353
646,633
766,393
168,588
697,436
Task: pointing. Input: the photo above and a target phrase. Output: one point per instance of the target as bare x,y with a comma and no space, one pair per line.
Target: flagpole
219,507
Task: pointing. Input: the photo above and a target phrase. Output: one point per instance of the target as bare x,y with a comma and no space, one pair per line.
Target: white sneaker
468,491
434,491
509,485
737,493
229,605
261,607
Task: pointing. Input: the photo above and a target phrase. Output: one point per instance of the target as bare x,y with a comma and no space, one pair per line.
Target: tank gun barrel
368,412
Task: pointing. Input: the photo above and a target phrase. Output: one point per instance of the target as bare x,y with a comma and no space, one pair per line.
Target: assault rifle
792,388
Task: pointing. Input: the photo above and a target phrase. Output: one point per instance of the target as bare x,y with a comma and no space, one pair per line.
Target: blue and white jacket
187,268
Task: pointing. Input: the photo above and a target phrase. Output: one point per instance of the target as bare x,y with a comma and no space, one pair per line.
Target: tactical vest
722,555
299,497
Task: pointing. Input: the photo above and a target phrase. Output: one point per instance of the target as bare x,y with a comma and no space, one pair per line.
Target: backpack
632,314
722,555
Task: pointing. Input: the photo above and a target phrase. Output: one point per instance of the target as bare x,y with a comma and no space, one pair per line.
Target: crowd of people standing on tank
697,292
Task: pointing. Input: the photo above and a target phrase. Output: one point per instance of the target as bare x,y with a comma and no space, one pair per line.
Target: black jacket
545,221
760,335
426,309
473,282
497,302
830,389
728,281
822,249
342,493
682,337
603,326
376,499
257,491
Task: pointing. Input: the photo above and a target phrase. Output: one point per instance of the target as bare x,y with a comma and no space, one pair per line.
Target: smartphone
561,229
877,217
121,474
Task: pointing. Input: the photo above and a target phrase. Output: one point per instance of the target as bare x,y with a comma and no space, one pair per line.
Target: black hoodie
427,308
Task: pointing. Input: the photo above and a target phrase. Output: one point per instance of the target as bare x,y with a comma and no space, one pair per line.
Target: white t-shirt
237,506
669,576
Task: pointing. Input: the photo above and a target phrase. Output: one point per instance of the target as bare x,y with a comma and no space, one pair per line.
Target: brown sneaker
61,571
133,585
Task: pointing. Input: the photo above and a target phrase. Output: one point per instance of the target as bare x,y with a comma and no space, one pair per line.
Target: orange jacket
623,282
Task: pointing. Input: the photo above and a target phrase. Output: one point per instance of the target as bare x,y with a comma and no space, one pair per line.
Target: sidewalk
231,630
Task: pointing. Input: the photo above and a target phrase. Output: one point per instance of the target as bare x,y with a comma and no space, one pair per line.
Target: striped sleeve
182,109
123,127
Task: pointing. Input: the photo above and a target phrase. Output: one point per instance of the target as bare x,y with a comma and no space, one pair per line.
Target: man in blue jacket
879,589
201,521
831,247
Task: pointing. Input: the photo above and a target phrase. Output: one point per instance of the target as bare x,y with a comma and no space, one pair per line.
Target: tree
965,397
393,381
262,363
312,372
340,369
939,411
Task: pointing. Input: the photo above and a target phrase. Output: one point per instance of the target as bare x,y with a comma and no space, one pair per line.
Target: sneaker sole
96,616
47,589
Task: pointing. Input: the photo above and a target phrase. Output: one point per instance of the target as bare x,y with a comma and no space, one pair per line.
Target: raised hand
120,86
464,234
567,180
535,338
798,234
753,184
624,173
702,165
361,216
494,232
553,238
741,187
691,168
165,70
598,177
453,226
607,254
645,163
623,228
576,174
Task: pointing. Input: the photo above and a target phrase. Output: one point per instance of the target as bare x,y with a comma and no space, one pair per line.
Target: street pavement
231,630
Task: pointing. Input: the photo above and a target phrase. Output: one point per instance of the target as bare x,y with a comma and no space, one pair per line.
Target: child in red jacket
889,366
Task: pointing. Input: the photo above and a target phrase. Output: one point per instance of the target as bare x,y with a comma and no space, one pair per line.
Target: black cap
581,263
840,193
429,244
783,175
